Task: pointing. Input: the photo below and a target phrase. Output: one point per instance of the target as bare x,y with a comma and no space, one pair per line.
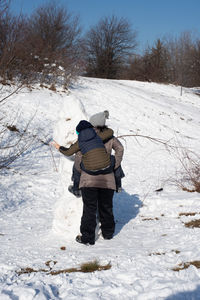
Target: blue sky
150,18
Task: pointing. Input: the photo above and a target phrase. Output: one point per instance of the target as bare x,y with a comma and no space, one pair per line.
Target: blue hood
89,140
86,135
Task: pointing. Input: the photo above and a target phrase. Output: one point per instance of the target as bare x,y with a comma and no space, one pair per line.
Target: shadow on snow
186,295
126,208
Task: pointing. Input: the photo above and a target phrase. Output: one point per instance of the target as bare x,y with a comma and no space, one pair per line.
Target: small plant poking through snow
195,263
53,87
193,224
163,253
188,178
93,266
188,214
87,267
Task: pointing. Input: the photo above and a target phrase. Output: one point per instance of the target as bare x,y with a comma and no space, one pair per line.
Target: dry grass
193,224
50,263
88,267
163,253
157,253
150,219
57,272
94,266
30,270
196,189
53,87
188,178
84,268
188,214
195,263
176,251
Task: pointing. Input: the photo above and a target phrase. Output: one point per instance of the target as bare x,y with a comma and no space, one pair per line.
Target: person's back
103,180
111,180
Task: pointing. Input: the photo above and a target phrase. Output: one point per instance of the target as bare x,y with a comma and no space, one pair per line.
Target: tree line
170,60
48,47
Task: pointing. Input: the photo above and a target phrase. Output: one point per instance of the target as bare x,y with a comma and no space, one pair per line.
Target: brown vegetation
193,224
169,60
188,213
163,253
195,263
150,219
190,173
42,48
84,268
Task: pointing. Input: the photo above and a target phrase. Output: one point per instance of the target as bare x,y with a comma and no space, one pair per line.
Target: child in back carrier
95,159
98,121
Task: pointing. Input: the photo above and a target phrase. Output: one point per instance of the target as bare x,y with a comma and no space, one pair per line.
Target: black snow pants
102,199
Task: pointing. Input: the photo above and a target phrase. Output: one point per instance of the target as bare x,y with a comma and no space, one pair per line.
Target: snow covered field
39,218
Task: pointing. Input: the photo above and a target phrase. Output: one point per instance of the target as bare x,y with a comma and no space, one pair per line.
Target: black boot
75,192
79,240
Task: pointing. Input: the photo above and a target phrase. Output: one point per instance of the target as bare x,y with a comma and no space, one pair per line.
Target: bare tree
195,64
53,43
185,45
42,48
182,59
158,62
54,26
152,66
108,45
11,39
4,5
135,68
170,60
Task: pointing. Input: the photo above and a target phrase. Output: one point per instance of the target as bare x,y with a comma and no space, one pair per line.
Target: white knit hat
99,119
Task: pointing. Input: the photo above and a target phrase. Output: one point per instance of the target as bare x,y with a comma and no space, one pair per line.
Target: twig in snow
54,162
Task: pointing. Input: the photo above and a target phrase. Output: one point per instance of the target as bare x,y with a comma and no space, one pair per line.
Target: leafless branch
47,142
14,92
152,139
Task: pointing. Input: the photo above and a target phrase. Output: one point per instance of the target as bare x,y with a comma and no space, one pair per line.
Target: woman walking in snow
98,188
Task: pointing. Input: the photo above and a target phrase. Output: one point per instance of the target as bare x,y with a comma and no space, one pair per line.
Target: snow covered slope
39,218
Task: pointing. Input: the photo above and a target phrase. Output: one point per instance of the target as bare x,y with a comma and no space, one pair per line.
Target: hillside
39,218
